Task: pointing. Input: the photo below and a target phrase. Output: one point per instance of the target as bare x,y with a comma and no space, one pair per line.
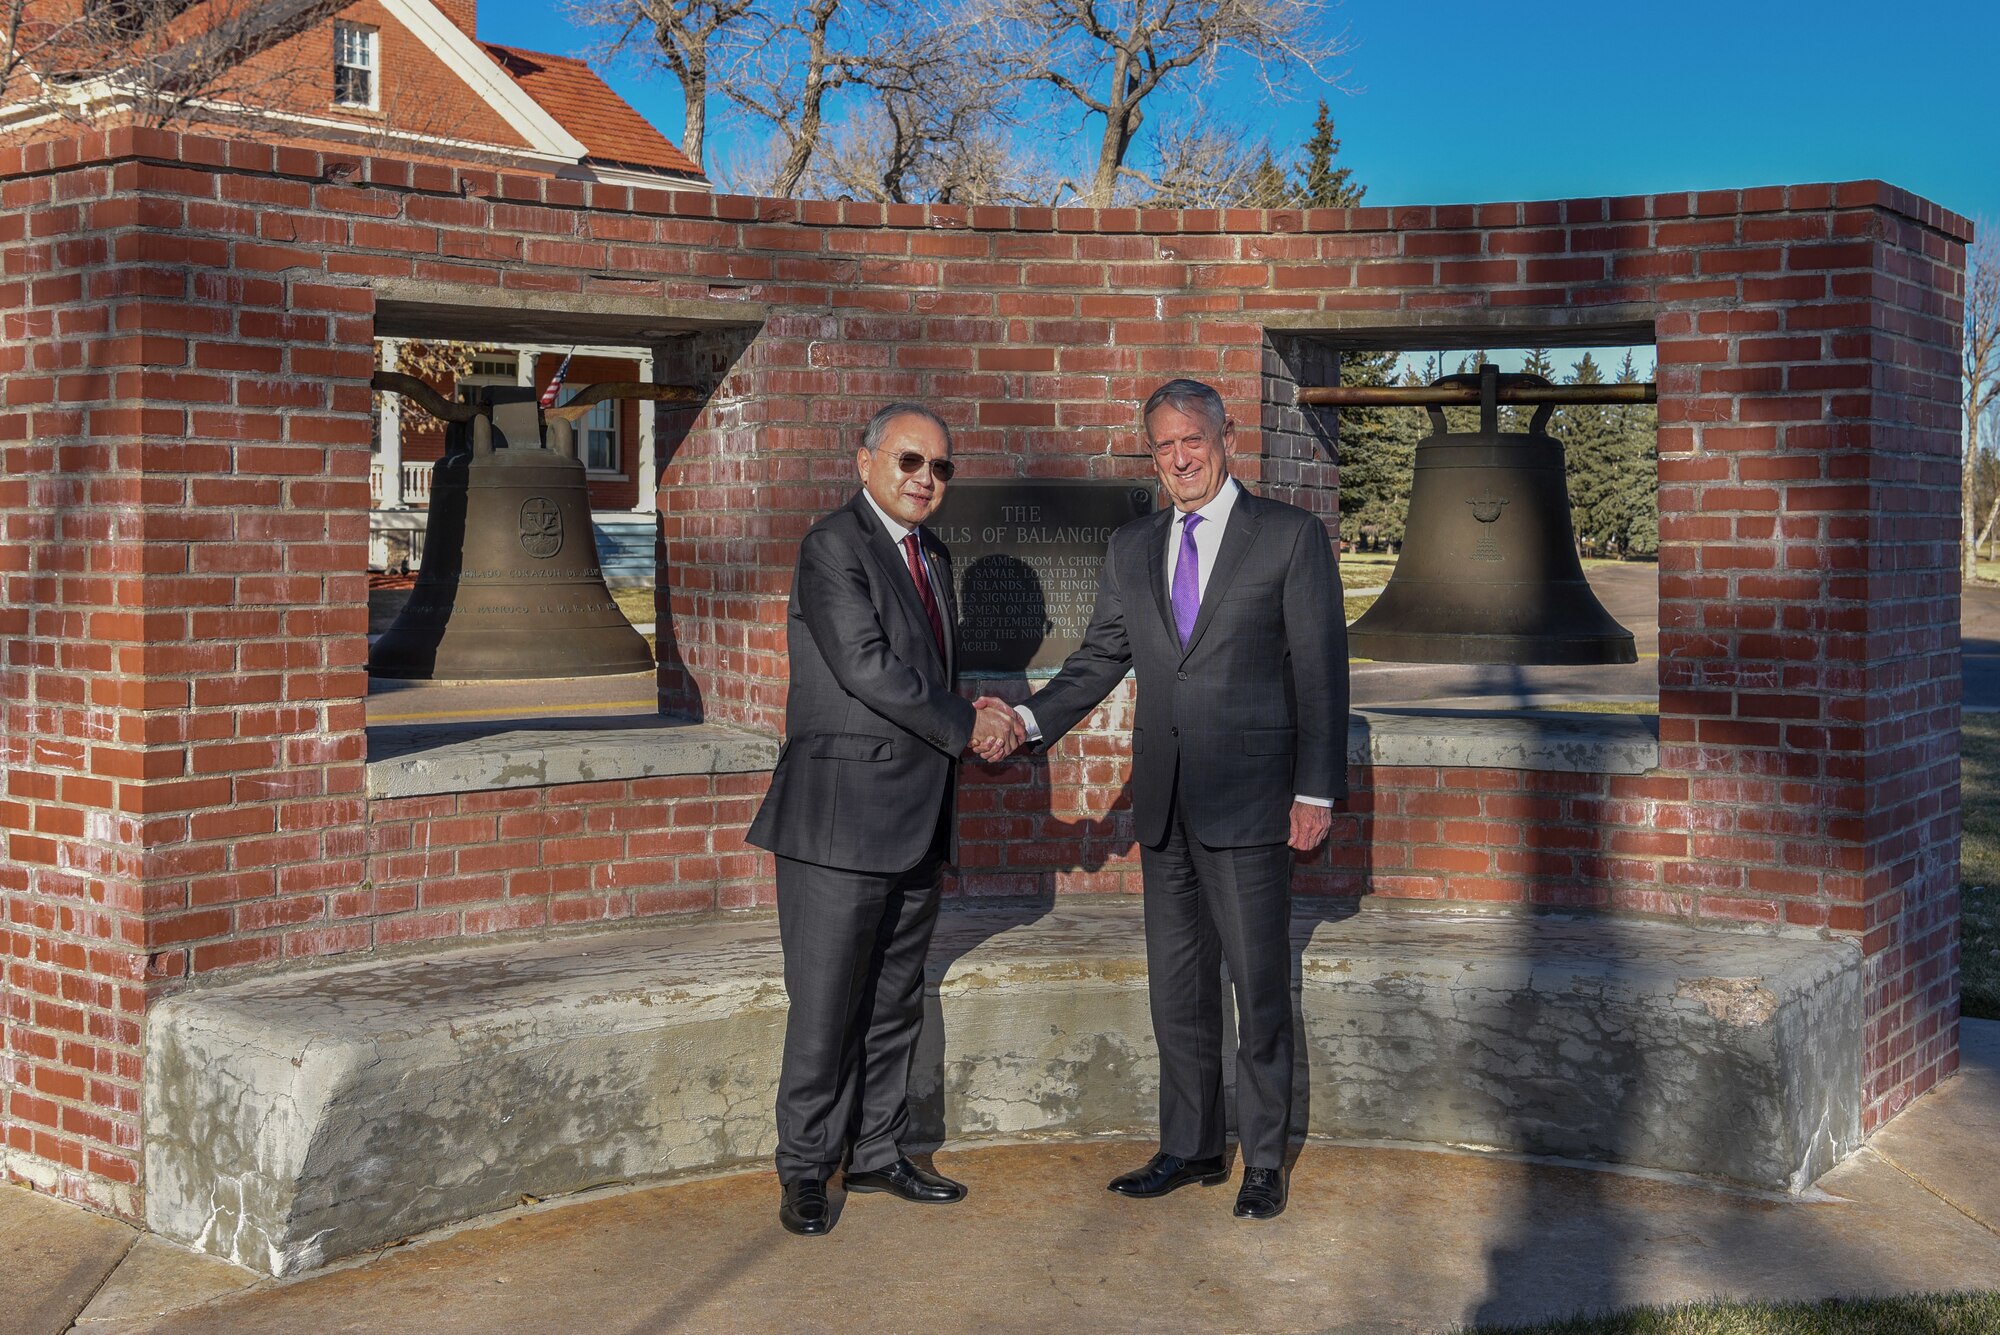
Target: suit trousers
1204,905
855,945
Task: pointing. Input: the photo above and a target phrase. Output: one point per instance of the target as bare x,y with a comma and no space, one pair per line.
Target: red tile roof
611,131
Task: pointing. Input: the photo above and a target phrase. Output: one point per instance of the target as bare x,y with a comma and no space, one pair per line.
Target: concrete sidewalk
1376,1239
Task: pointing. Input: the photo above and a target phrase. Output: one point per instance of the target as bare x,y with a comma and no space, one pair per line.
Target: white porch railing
416,483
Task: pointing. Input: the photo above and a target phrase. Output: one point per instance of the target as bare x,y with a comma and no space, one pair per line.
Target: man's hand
997,730
1309,825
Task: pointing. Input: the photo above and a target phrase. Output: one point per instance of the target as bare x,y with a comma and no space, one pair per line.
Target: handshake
997,731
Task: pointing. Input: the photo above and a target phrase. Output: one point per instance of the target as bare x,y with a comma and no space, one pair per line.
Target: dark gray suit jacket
1254,709
873,729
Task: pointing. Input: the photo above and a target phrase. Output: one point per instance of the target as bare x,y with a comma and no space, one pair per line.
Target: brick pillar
1809,588
74,629
186,514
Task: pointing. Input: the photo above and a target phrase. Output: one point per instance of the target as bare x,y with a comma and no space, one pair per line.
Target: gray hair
878,425
1188,396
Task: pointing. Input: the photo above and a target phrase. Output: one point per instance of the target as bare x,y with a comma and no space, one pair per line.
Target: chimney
463,13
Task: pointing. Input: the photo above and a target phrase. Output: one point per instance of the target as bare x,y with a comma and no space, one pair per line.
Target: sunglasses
941,469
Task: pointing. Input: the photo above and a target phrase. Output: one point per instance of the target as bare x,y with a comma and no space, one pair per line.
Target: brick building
185,420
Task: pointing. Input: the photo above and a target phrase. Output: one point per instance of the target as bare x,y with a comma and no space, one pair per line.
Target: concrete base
306,1117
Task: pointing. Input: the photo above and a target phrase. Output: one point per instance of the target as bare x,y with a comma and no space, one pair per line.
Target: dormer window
354,65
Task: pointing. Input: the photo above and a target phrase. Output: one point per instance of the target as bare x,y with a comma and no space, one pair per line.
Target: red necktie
924,594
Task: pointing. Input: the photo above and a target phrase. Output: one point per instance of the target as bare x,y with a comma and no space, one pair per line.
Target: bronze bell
510,587
1489,571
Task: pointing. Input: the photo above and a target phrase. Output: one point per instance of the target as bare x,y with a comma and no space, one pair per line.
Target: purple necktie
1187,581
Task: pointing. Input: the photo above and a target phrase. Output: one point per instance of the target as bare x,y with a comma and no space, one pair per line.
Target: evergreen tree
1594,445
1640,423
1537,362
1321,184
1267,187
1377,453
1466,420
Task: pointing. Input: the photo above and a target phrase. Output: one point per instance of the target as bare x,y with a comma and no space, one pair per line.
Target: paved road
1979,627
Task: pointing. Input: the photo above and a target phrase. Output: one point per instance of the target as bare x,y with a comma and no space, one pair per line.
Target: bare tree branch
1205,163
1110,58
687,37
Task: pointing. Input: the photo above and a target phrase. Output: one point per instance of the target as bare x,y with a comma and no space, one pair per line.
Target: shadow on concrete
679,687
393,741
1055,847
1310,915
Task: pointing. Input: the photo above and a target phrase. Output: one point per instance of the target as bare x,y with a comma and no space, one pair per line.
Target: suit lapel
937,559
1156,569
893,568
1245,517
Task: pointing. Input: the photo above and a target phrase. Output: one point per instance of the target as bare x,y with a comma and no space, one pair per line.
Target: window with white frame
597,442
490,367
354,65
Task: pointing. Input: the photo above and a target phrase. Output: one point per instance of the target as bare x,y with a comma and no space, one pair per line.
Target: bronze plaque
1026,556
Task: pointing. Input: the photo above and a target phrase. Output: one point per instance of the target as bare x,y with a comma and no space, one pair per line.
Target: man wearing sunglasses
1228,607
861,814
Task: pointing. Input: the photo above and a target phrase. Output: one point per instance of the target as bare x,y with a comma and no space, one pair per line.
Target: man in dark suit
1228,606
861,816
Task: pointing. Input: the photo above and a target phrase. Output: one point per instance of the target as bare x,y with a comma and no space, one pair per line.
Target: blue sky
1453,101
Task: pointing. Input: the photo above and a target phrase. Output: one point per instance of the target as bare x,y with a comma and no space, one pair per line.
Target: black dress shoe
803,1210
1164,1172
905,1179
1262,1195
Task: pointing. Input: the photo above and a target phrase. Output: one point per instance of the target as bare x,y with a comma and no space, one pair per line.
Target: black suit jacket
1254,709
873,728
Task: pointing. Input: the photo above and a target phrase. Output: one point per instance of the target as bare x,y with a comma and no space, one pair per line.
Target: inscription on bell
1486,508
541,527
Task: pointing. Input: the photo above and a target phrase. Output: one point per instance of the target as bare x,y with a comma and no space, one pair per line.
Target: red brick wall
185,417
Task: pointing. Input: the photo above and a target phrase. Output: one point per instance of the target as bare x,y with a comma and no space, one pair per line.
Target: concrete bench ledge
420,759
299,1118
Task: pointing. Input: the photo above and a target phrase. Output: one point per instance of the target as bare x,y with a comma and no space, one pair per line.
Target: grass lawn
1921,1314
636,604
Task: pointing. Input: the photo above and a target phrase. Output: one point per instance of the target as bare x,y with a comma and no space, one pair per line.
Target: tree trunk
1121,122
1968,545
695,91
804,140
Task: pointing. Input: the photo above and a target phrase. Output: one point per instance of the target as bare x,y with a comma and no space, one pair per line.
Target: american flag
555,383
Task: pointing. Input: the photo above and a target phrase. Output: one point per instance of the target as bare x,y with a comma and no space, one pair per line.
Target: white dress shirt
1207,536
1207,546
897,531
900,531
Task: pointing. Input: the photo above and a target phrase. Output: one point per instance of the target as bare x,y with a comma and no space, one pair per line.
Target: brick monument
185,423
